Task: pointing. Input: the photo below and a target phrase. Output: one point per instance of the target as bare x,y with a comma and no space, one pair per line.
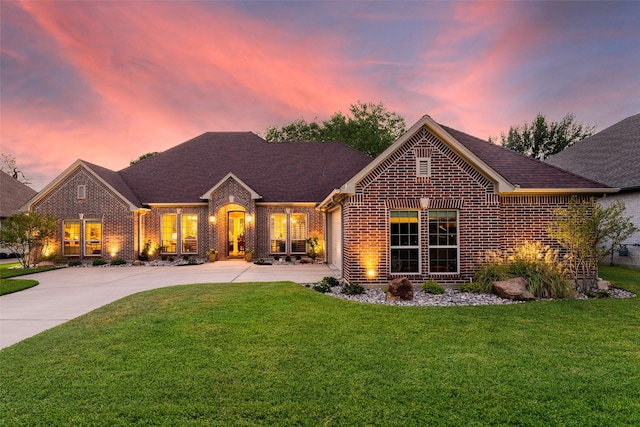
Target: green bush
118,261
321,287
601,293
432,287
537,264
473,287
192,261
75,263
98,261
352,289
331,281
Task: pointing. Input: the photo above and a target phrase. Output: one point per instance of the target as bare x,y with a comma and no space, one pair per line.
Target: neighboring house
611,157
13,194
426,208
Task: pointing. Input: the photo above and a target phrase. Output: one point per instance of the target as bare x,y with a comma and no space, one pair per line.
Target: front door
235,243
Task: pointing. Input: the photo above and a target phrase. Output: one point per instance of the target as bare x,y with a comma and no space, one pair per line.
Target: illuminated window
443,241
93,238
169,237
405,242
190,233
71,240
298,226
278,228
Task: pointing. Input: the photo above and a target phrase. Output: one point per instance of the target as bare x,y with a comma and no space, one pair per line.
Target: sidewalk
70,292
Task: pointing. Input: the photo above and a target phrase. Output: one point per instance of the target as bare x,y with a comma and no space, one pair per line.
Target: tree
27,234
542,138
141,158
587,231
8,165
369,128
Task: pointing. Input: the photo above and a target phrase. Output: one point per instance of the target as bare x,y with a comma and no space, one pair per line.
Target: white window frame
456,246
407,247
279,238
172,239
185,239
79,241
423,167
306,232
85,239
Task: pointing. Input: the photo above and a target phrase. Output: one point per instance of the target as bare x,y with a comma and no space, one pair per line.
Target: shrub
473,287
75,263
192,261
99,261
537,264
432,288
118,261
331,281
601,293
352,289
287,258
321,287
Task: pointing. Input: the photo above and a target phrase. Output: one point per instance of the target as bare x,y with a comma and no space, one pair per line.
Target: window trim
162,240
306,232
417,247
79,241
184,239
85,240
81,193
456,246
286,232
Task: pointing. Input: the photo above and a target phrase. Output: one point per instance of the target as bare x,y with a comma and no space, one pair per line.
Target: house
426,208
611,157
13,194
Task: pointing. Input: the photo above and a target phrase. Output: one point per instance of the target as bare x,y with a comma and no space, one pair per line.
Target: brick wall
118,221
315,225
486,220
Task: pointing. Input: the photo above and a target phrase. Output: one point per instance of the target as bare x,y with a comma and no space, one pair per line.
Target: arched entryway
233,231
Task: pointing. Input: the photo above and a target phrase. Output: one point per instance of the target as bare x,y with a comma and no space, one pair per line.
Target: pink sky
109,81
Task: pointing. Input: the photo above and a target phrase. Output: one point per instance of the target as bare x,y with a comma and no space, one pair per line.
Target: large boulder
400,289
604,285
514,289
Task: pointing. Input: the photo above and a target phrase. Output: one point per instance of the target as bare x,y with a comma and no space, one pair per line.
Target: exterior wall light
248,217
212,218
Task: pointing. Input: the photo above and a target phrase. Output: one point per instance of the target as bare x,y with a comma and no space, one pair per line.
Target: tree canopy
369,128
141,158
8,164
27,235
544,138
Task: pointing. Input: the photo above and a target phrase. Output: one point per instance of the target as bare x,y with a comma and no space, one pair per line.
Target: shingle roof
519,169
279,172
611,156
13,194
114,179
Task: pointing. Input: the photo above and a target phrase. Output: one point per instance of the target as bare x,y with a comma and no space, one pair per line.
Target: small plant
192,261
212,251
145,253
99,261
298,257
321,287
432,287
118,261
276,257
262,261
314,245
75,263
473,287
331,281
600,293
287,258
352,289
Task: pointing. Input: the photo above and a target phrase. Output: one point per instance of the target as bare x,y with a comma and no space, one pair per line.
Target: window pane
404,261
169,233
298,228
71,239
443,260
278,226
190,233
93,238
443,241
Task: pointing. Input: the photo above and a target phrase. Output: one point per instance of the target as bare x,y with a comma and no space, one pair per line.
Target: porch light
248,217
212,218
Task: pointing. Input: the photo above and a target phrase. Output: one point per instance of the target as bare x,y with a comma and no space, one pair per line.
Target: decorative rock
400,289
306,260
604,285
514,289
137,263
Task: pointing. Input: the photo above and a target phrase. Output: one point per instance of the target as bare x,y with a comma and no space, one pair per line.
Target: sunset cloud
109,81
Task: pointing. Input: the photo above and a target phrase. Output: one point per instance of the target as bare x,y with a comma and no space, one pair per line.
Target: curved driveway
70,292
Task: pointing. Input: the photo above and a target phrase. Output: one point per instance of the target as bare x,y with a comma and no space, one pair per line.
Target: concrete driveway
70,292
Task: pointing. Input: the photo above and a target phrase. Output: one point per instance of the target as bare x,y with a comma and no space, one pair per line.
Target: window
190,233
443,241
298,233
82,191
71,240
405,242
169,238
278,233
423,167
92,238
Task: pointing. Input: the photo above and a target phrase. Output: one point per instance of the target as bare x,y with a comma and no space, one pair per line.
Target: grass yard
8,285
278,354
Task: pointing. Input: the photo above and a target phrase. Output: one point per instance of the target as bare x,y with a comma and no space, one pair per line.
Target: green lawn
280,354
8,285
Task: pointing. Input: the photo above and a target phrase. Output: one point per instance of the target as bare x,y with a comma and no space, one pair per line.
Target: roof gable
110,179
230,175
612,156
509,171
